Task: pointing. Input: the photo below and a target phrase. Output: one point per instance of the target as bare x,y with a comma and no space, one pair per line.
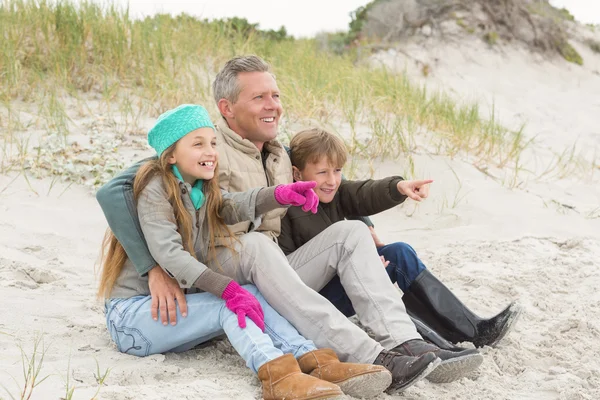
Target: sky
302,18
586,11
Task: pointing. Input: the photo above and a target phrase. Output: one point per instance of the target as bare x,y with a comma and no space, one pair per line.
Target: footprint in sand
18,274
40,252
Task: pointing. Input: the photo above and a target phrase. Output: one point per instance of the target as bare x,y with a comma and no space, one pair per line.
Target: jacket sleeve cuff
212,282
144,271
188,274
265,201
394,193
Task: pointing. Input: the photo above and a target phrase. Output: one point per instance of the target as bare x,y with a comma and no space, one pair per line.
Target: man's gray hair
226,85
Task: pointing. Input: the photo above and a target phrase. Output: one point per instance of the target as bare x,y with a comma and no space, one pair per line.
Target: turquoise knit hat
174,124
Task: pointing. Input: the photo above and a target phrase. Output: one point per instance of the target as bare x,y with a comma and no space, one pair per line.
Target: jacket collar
244,145
195,191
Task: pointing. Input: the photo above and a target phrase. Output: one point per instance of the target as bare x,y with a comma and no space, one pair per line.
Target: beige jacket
165,243
241,169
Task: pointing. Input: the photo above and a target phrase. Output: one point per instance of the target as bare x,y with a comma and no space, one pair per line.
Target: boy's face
327,176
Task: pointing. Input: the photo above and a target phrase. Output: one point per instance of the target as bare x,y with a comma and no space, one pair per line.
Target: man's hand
416,189
164,291
378,243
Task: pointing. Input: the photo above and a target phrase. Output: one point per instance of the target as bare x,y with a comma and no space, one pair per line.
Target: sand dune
539,243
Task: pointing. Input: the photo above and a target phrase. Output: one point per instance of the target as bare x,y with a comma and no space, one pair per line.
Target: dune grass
32,363
52,51
31,367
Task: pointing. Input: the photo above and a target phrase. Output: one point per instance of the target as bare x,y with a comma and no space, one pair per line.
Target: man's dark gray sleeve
117,203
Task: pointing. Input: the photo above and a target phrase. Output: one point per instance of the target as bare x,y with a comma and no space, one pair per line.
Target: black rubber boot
432,302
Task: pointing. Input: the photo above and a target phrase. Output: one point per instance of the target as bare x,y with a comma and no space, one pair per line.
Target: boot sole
510,322
455,368
400,387
367,385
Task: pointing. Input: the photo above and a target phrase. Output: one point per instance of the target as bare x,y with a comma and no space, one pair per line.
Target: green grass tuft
52,51
569,53
594,45
491,38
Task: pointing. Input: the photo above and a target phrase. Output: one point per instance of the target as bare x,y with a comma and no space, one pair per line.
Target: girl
320,156
183,215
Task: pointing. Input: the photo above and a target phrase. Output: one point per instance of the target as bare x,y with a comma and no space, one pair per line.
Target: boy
319,156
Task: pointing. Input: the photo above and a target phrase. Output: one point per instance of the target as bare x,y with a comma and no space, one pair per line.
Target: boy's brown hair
310,145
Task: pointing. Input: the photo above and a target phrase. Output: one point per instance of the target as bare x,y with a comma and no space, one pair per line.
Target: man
248,99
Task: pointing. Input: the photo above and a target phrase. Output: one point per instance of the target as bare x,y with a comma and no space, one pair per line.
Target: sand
538,243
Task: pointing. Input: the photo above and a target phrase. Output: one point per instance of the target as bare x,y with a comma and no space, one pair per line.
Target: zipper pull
197,218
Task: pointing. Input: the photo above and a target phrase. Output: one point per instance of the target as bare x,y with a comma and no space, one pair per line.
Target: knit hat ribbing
174,124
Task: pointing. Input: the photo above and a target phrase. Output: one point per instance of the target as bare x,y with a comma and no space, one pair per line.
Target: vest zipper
269,183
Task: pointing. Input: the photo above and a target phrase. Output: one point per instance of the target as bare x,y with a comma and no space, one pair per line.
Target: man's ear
296,174
224,106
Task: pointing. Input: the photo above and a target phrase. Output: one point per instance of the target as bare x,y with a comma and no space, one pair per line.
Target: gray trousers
290,285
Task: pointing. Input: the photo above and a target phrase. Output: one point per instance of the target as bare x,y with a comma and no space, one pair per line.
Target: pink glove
298,194
243,303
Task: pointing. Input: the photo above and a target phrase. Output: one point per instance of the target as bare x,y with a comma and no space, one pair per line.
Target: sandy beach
537,242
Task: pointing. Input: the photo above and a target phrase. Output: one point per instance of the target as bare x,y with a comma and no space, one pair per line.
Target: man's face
255,114
327,176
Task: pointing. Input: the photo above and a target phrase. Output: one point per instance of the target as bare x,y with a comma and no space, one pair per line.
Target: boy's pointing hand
415,189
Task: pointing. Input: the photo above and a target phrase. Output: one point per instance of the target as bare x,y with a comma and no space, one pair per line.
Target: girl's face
195,155
327,176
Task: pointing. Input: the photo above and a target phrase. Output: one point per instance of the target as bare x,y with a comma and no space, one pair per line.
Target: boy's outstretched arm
368,197
367,221
118,205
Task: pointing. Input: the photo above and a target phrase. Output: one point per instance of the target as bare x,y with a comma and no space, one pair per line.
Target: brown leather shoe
282,379
356,380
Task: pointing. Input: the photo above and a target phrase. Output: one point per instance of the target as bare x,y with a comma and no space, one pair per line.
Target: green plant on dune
491,38
32,363
569,53
545,9
594,45
461,22
31,367
565,14
358,18
56,51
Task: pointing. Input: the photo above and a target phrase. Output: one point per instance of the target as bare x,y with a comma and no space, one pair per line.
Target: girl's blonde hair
113,255
311,145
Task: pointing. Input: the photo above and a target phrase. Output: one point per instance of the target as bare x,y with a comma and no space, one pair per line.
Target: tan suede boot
282,380
356,380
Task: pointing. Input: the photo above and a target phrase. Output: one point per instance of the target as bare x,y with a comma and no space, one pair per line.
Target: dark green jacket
354,199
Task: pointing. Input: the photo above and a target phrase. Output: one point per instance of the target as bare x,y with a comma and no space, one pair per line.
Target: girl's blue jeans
134,331
403,269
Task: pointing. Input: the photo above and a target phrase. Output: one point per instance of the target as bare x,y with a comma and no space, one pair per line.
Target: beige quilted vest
241,169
